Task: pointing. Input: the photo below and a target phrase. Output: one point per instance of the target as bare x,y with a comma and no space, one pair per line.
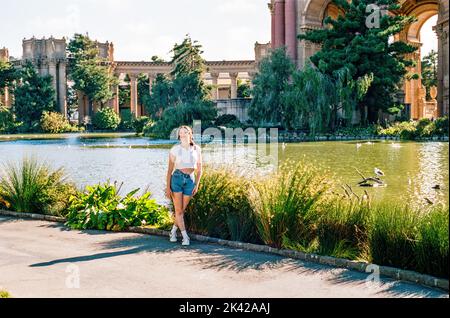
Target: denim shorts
181,182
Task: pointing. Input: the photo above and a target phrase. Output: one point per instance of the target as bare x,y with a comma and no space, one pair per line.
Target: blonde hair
191,134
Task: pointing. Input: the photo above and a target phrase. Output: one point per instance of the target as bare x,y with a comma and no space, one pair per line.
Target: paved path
39,259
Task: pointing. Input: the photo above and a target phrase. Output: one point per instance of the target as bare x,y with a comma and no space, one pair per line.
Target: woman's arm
169,175
199,170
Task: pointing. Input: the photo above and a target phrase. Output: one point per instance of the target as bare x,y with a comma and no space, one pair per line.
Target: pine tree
89,72
359,45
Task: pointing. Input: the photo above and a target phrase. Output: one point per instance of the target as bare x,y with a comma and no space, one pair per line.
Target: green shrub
421,127
101,207
126,123
140,123
221,207
7,121
441,126
432,244
106,119
403,130
285,204
35,188
414,129
54,123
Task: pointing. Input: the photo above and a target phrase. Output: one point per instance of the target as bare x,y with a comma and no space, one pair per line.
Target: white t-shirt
186,158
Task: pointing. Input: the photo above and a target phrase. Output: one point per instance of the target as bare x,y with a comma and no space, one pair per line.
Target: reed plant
34,187
221,208
285,204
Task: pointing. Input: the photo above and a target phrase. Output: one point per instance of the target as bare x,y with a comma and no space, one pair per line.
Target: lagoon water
412,170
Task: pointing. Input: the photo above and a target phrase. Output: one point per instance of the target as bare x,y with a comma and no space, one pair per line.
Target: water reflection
412,169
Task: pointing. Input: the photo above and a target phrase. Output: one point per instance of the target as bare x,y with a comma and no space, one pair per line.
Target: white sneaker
173,237
186,241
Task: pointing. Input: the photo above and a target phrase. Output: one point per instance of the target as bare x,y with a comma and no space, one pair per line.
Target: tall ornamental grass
393,235
342,229
285,204
221,208
35,187
431,250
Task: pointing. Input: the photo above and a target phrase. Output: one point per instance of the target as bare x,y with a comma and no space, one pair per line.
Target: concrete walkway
43,259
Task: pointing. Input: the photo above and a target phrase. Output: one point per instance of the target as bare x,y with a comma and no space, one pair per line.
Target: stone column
81,111
291,28
443,68
215,89
233,77
279,23
5,98
116,103
133,95
272,16
252,76
52,73
151,79
62,89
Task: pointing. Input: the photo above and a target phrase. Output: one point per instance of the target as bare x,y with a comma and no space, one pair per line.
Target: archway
415,92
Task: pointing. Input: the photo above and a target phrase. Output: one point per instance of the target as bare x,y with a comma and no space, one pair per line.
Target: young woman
185,159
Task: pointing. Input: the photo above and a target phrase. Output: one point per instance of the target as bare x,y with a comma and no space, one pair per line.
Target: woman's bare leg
186,200
179,211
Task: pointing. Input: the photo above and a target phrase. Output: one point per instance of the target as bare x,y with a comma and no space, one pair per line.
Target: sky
139,29
428,36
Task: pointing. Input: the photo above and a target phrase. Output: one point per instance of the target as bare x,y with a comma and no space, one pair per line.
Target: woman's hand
168,193
195,190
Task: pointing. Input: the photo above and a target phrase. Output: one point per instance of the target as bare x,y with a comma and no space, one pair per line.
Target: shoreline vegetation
423,130
300,207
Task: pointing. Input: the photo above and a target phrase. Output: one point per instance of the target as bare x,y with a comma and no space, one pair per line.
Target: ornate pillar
133,95
151,79
116,102
306,49
52,73
62,89
443,67
5,99
279,23
252,76
215,83
291,28
415,84
272,16
81,110
233,77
